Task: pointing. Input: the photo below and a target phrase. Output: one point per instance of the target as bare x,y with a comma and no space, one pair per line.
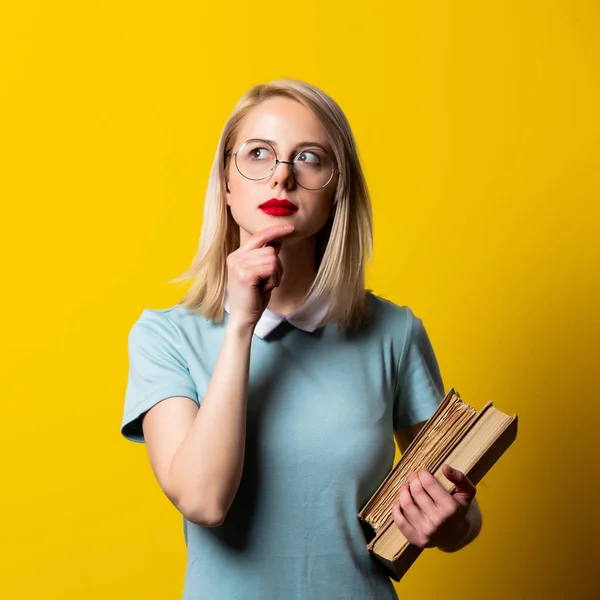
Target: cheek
235,183
325,206
318,217
240,193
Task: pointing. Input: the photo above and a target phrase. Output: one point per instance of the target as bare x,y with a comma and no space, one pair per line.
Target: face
286,123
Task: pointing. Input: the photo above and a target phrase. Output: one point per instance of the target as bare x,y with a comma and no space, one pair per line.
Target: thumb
276,245
465,489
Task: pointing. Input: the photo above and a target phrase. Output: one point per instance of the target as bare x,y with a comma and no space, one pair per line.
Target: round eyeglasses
312,167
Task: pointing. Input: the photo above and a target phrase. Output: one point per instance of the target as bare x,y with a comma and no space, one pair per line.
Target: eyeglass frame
334,169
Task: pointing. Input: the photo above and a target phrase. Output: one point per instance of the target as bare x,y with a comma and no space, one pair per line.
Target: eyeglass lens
312,167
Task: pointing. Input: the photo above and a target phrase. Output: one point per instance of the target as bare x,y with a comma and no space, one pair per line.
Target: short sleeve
157,370
419,386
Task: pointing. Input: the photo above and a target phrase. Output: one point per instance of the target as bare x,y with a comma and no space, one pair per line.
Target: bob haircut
344,244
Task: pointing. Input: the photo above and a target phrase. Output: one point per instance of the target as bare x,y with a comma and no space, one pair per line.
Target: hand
428,515
253,271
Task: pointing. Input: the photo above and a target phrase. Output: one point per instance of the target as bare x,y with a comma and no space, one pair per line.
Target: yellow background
478,126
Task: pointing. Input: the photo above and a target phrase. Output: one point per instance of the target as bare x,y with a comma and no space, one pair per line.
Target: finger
422,498
254,275
405,526
269,249
445,501
268,284
436,491
260,238
277,271
411,510
264,252
274,280
251,260
239,258
266,296
465,488
257,258
275,245
268,278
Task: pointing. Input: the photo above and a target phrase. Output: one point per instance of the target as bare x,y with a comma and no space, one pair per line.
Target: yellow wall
478,126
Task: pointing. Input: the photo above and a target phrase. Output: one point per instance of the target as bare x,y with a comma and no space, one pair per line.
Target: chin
301,231
269,221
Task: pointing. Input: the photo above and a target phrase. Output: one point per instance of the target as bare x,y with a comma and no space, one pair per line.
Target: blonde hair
344,244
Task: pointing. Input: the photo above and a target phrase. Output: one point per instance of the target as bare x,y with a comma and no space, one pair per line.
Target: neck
298,260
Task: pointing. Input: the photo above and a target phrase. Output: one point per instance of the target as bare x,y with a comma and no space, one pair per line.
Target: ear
227,192
226,177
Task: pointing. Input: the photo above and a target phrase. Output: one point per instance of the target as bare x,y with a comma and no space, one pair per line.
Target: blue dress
322,409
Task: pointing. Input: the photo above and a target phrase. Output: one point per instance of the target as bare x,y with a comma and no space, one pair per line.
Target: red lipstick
278,208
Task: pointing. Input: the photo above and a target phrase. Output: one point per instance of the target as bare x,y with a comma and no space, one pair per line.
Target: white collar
307,317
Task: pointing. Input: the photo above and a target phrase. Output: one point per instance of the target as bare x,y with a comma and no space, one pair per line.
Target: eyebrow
298,145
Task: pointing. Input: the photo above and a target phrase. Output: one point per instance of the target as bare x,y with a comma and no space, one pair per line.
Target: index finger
433,487
262,237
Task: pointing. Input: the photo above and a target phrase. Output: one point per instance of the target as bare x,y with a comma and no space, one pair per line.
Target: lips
278,208
277,203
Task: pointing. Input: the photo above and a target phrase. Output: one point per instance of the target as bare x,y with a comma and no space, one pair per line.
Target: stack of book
457,434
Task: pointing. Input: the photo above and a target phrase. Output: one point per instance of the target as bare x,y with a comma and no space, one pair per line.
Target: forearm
474,520
207,467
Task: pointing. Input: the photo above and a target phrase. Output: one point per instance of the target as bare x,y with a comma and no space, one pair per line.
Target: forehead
284,121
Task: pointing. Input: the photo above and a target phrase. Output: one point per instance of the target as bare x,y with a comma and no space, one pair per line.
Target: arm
197,454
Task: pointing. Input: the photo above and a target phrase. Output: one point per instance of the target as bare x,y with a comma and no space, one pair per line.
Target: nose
282,175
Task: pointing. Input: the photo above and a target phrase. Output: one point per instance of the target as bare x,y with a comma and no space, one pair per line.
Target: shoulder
166,326
176,327
174,317
153,320
152,331
388,315
400,324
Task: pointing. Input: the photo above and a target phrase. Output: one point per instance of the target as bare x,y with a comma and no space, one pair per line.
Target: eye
310,157
258,153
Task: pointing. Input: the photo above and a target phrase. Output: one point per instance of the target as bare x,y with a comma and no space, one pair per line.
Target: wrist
462,540
239,328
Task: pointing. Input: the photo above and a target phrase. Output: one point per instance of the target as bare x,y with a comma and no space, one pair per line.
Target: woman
269,397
